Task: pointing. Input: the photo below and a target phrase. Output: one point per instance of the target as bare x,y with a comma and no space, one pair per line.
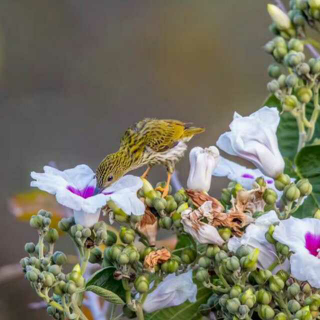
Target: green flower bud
111,238
290,103
293,306
261,276
274,71
54,269
276,284
270,196
226,194
172,266
315,66
291,192
171,205
223,300
238,187
303,69
299,20
279,17
293,290
248,298
317,214
243,251
291,81
269,47
243,310
305,187
133,256
220,256
250,261
116,251
24,262
32,276
123,259
159,204
44,213
304,95
314,4
233,305
261,182
225,233
232,263
71,287
73,230
165,223
145,252
176,218
304,314
35,262
65,224
95,256
182,207
301,4
76,277
235,291
78,235
30,247
36,222
202,275
59,258
212,250
141,284
264,297
49,279
265,312
204,262
281,316
295,45
52,236
306,288
188,256
46,222
127,235
86,233
282,81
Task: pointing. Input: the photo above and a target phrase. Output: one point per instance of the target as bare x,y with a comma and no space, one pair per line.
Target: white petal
125,184
225,143
173,291
86,219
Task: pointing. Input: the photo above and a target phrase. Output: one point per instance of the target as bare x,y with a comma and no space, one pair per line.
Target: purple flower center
83,193
247,176
313,243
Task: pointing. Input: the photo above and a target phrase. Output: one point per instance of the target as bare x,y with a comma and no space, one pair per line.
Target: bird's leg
165,190
145,174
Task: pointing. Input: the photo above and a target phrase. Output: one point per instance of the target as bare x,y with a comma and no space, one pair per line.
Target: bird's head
109,171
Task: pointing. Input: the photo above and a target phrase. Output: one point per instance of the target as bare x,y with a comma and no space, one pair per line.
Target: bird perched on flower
148,142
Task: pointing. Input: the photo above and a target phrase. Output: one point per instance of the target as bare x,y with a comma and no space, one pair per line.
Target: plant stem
128,293
85,260
315,113
40,243
139,312
273,265
76,308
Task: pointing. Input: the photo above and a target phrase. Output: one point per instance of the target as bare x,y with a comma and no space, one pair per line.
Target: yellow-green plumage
148,142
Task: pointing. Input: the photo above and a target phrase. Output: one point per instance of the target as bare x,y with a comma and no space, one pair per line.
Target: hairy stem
315,113
139,311
40,243
85,260
76,308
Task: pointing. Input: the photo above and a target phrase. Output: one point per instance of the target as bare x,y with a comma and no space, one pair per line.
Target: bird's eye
110,178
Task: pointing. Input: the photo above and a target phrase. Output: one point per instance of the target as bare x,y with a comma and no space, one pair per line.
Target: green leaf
287,133
186,310
105,280
184,241
308,166
105,294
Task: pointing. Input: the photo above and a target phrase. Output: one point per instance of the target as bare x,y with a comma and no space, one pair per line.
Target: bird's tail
189,132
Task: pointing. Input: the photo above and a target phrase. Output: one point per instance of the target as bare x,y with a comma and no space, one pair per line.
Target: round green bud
35,262
232,263
127,235
30,247
226,194
301,4
312,62
291,192
280,42
173,266
52,236
32,276
111,238
204,262
306,288
220,256
76,277
243,251
293,306
249,262
166,223
233,305
188,256
182,207
299,20
280,316
95,256
223,300
274,71
269,47
276,284
265,312
293,290
270,196
78,235
317,214
243,310
225,233
73,230
133,257
44,213
65,224
261,182
59,258
238,187
263,296
212,250
86,233
291,81
171,206
141,284
24,262
70,287
159,204
305,187
273,87
123,259
248,298
315,68
178,197
294,59
290,103
102,235
282,81
282,181
235,291
54,269
304,95
202,275
314,4
49,279
36,222
165,267
116,251
303,69
145,252
46,222
295,45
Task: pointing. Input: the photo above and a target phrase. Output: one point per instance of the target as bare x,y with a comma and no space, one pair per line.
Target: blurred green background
75,74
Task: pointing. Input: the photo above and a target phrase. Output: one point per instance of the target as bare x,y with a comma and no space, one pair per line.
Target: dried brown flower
148,226
155,257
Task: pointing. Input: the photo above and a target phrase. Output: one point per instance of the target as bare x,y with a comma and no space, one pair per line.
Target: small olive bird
148,142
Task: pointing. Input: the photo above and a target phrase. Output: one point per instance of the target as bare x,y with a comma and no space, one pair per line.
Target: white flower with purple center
302,236
76,189
254,138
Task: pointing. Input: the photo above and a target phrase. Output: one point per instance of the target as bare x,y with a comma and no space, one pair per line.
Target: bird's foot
164,190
